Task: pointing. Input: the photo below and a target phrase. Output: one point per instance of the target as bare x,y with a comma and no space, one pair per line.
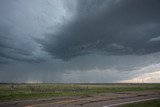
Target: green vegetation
153,103
10,92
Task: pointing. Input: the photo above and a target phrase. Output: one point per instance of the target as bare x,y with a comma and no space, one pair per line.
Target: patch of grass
152,103
10,92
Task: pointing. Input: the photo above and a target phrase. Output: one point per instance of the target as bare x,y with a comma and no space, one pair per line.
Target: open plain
76,95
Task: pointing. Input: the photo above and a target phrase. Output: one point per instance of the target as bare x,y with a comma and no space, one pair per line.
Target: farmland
23,91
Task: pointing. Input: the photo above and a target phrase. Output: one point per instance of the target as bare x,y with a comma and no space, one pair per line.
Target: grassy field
12,92
153,103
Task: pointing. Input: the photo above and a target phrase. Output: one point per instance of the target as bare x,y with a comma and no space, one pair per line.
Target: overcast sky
79,41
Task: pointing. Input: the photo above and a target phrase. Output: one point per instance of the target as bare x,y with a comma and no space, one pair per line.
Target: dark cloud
116,27
14,48
21,21
102,40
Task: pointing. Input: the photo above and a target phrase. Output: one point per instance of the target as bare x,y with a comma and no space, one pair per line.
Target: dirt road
100,100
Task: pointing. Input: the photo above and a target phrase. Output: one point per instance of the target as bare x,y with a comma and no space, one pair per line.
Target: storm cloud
122,27
77,40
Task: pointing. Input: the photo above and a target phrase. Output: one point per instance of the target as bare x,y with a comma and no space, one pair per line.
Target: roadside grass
152,103
14,92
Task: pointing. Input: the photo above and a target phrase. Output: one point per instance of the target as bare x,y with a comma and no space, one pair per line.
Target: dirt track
100,100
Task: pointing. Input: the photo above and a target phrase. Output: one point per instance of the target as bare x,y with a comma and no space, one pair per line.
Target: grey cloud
20,23
102,40
156,39
89,67
126,23
13,47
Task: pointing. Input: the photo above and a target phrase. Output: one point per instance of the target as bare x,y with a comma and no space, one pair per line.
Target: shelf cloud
52,41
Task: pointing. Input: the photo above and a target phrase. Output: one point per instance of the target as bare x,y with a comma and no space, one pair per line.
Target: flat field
23,91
